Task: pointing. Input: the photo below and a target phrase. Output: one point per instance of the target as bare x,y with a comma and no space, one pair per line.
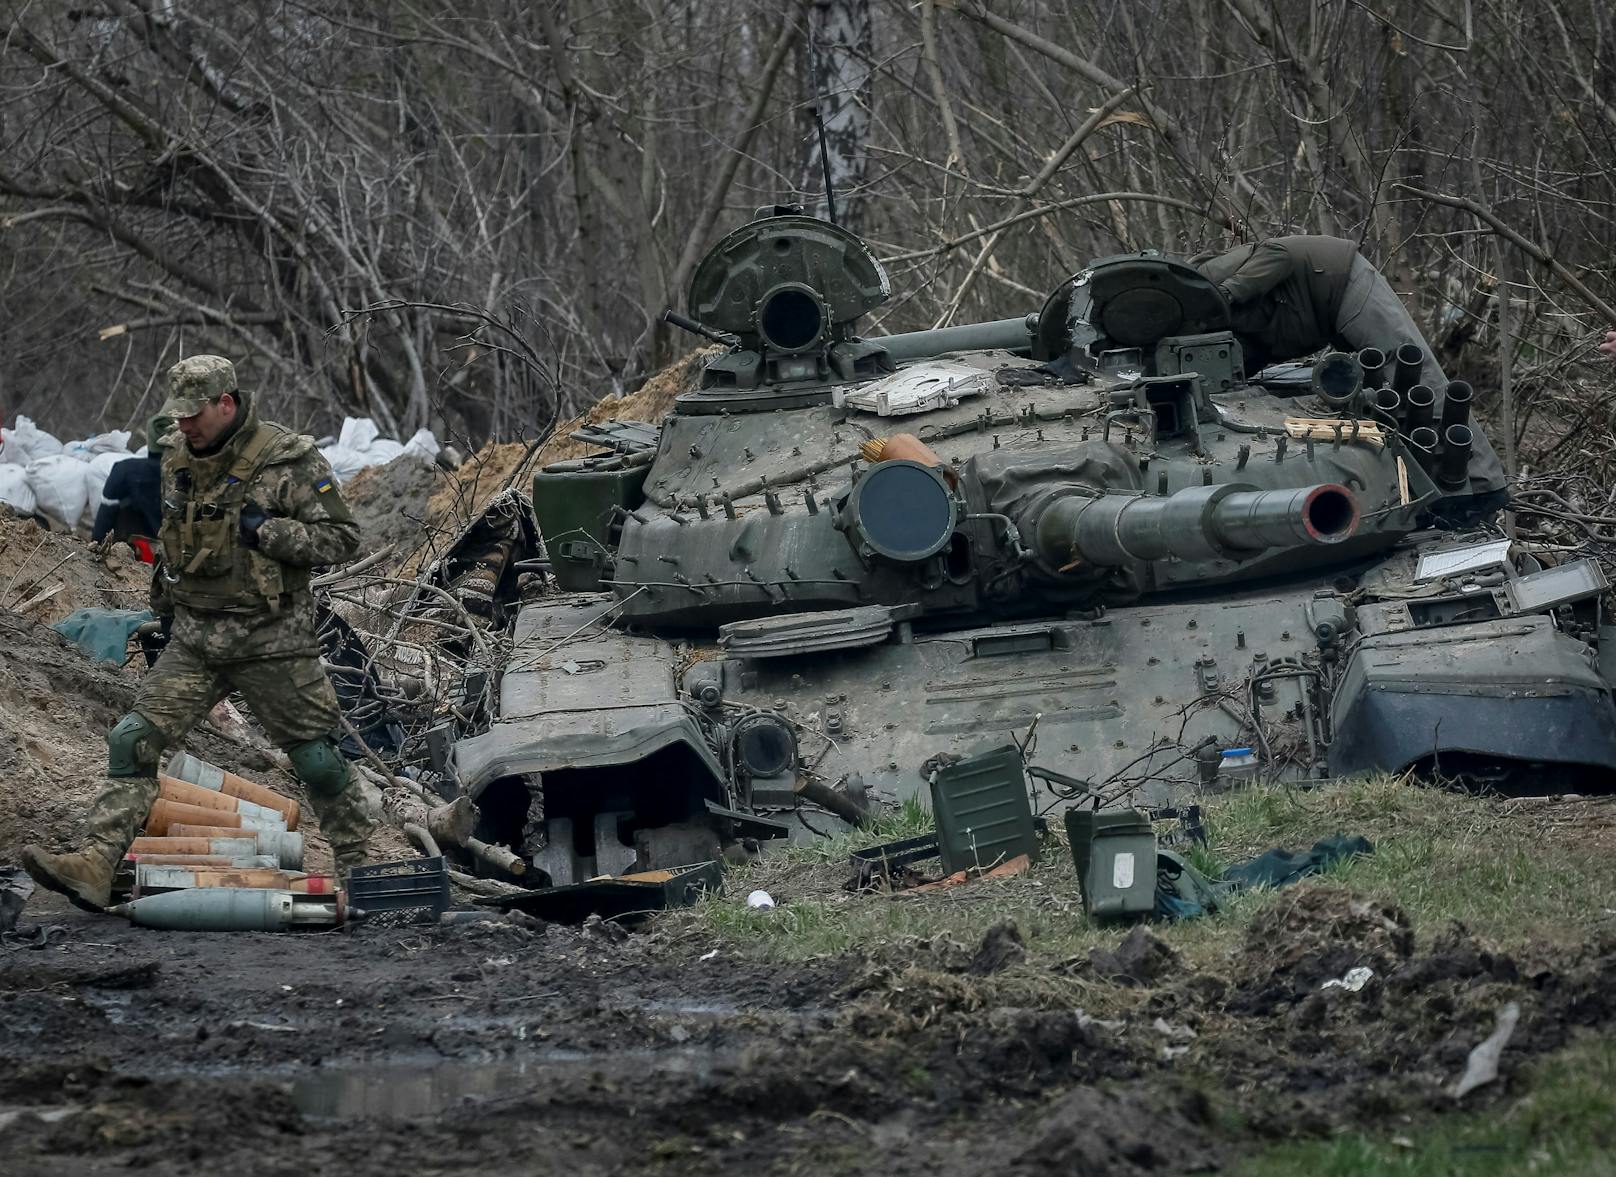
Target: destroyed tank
1079,533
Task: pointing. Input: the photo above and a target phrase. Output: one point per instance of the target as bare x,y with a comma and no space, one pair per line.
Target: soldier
1292,296
132,495
248,508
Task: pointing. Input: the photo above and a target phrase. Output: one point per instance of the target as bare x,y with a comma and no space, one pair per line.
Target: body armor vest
206,564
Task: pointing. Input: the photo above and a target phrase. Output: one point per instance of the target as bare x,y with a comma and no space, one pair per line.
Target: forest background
470,215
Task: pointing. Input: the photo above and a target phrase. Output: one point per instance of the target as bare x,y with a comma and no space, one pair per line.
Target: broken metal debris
627,898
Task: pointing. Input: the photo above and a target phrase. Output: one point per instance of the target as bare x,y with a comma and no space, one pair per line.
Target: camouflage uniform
243,620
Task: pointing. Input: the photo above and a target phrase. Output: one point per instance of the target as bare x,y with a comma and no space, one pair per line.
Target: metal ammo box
983,815
1115,854
573,503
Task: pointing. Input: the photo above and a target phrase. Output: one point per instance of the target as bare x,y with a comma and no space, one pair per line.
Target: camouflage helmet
195,381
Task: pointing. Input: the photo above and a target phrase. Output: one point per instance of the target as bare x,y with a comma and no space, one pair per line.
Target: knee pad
133,747
320,766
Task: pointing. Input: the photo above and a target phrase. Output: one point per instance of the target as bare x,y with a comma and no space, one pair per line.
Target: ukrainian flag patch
323,485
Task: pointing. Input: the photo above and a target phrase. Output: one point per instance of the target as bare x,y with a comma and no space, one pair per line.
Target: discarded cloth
103,634
1280,868
1184,893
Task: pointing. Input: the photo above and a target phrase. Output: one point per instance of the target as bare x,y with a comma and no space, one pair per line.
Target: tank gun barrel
1010,334
1202,522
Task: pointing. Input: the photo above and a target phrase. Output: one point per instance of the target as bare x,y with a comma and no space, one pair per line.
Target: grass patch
1501,869
1564,1124
1509,874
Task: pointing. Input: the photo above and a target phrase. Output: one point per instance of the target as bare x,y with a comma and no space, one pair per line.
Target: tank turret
788,289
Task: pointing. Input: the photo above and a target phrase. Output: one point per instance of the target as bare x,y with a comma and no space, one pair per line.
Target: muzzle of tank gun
1453,463
1407,363
1337,379
1419,407
1199,523
1455,405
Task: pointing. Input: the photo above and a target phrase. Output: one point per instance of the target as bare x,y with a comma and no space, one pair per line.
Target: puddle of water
395,1091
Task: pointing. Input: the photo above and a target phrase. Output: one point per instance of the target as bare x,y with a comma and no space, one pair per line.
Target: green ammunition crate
1114,851
572,502
983,815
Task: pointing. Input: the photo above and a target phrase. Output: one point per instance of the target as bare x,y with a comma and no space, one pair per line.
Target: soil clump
390,502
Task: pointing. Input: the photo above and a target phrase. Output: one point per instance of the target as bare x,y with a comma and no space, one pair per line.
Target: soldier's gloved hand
252,518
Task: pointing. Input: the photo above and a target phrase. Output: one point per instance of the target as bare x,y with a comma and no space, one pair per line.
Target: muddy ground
495,1048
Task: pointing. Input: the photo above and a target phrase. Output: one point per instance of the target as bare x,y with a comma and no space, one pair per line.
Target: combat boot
84,876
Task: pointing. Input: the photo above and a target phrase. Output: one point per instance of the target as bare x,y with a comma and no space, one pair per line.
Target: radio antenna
824,163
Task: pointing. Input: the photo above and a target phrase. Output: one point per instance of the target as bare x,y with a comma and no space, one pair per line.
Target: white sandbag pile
40,475
360,444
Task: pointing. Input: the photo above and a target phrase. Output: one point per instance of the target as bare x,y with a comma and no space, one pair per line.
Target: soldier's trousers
289,695
1373,316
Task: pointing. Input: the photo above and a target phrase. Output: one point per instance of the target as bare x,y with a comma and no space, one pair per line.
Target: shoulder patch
323,485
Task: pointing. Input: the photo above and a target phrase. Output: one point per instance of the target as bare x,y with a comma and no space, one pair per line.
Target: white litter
760,899
1482,1066
1354,980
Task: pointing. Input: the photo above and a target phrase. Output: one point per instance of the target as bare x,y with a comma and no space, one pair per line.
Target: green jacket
1284,294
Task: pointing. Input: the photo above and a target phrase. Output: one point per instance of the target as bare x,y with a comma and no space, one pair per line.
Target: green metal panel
983,815
572,502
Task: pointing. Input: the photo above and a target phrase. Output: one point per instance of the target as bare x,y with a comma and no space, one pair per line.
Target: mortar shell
285,846
230,909
186,793
223,860
152,878
199,772
236,847
165,813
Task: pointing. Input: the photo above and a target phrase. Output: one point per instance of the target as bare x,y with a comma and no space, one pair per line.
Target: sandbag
357,433
96,472
359,445
25,442
15,491
59,488
382,451
423,444
114,442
